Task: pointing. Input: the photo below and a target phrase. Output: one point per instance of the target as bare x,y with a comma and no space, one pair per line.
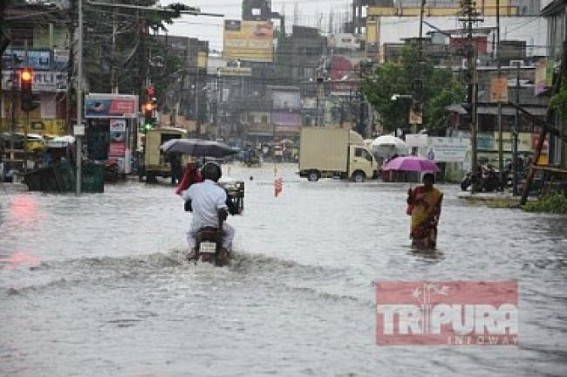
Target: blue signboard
39,60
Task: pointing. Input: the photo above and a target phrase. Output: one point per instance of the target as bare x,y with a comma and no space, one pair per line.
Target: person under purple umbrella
424,207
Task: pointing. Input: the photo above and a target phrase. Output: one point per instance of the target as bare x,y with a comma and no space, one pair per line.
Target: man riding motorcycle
208,202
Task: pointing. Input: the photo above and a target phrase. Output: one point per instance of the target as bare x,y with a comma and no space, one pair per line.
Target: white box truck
335,152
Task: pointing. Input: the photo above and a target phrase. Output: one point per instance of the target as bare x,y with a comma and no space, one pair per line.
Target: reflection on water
105,294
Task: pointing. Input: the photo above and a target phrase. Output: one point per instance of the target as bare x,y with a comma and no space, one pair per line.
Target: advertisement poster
448,149
286,100
116,149
111,106
36,59
499,90
540,77
285,122
248,40
344,73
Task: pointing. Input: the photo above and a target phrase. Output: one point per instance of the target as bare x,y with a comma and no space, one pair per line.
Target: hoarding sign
42,81
235,71
286,100
116,149
36,59
417,140
286,122
524,142
111,106
448,149
344,73
499,90
540,77
248,40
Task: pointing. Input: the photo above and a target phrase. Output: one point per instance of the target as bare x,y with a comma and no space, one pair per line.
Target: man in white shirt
208,202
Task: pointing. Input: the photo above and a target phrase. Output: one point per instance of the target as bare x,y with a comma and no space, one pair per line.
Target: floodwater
91,286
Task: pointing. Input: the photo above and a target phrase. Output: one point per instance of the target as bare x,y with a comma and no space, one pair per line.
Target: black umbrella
198,148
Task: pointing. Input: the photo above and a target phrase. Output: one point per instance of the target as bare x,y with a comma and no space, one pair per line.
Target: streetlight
414,114
395,97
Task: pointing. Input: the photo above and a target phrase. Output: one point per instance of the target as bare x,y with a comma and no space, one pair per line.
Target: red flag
278,186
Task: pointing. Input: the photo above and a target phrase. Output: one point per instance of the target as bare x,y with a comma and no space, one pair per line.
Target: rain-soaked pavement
91,286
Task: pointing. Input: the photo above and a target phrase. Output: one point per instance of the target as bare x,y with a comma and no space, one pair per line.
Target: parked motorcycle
111,171
487,179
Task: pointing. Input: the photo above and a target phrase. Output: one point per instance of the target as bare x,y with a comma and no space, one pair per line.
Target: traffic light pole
79,84
26,125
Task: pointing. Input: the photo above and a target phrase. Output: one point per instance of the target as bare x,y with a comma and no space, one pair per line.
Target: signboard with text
448,149
248,40
43,81
286,122
111,106
38,60
499,90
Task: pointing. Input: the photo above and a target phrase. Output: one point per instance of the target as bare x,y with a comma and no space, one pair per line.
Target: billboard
43,81
540,77
286,100
286,122
344,73
111,106
36,59
248,40
448,149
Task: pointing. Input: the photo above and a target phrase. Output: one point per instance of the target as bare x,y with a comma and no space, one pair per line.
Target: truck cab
362,164
155,162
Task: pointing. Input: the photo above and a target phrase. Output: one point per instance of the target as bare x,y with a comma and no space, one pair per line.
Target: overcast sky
532,30
210,28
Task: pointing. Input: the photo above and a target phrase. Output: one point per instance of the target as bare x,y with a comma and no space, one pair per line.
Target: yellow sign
415,117
499,90
524,142
202,59
248,40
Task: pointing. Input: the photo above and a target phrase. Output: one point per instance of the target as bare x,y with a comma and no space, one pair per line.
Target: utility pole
515,135
417,97
471,17
499,116
79,83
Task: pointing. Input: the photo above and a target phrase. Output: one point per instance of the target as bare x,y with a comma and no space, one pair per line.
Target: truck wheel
313,176
358,176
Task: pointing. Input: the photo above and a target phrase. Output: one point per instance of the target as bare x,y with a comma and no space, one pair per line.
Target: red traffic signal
148,110
29,101
150,91
26,76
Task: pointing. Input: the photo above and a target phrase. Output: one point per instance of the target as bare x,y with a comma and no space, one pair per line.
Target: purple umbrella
412,163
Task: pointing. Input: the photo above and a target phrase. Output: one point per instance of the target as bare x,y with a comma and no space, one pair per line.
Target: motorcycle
209,247
209,239
487,179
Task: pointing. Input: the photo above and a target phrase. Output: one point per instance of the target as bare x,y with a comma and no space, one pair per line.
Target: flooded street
91,286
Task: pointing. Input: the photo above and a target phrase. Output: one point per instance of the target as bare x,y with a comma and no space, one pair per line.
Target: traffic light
148,111
29,101
149,119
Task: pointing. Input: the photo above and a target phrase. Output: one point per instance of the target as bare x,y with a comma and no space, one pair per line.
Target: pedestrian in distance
424,207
